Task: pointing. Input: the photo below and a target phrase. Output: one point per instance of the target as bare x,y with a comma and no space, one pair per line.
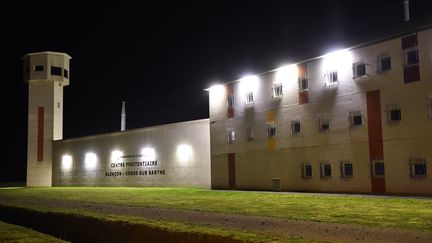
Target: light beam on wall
337,60
249,84
66,162
148,154
216,92
285,74
90,161
184,153
116,156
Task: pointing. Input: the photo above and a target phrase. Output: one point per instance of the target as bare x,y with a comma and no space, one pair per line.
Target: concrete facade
375,114
168,155
45,73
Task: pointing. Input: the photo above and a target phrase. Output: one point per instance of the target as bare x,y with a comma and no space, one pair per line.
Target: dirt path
307,229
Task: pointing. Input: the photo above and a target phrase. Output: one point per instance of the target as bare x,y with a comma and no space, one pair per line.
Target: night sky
160,56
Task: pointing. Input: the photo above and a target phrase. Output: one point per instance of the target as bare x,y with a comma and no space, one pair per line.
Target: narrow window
230,101
359,69
303,83
250,133
38,68
65,73
231,136
355,118
384,63
323,122
394,113
325,170
277,90
56,71
418,167
295,127
346,169
411,56
378,168
271,129
307,170
249,98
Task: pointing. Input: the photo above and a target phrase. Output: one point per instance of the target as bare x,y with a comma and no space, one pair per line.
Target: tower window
295,127
38,68
303,83
306,170
394,113
271,129
378,168
57,71
326,169
355,118
359,69
277,90
418,167
65,73
346,169
384,63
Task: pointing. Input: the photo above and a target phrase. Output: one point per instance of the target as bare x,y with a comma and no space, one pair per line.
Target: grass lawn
15,233
401,213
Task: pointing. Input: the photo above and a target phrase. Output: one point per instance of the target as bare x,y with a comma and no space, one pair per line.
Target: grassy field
401,213
14,233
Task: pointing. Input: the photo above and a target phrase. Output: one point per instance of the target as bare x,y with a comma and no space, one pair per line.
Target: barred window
295,127
303,83
394,113
346,169
271,129
359,69
355,118
332,77
411,56
418,167
230,101
378,169
384,63
277,90
307,170
323,122
249,98
326,170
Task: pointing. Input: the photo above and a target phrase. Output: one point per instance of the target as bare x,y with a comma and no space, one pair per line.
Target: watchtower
45,73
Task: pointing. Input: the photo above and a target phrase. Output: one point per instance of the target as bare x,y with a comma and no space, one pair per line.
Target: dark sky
160,56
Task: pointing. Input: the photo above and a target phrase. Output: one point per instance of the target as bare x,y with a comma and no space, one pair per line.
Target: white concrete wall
193,170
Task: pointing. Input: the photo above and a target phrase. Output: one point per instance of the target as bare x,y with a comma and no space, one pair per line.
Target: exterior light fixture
66,162
90,161
116,156
184,152
337,60
288,73
148,154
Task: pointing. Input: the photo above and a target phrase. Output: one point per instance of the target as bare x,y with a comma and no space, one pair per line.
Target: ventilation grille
276,184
